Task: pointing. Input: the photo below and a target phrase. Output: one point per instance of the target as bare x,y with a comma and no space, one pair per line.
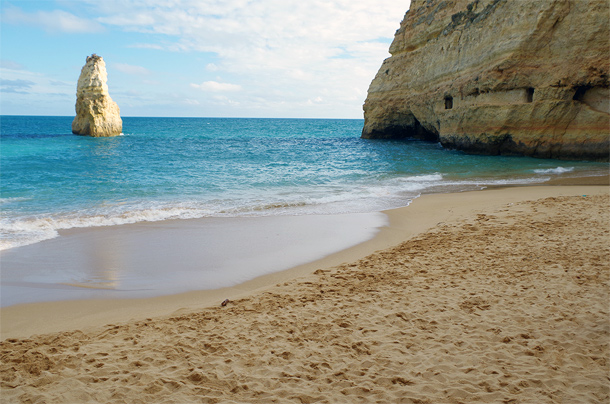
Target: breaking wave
556,170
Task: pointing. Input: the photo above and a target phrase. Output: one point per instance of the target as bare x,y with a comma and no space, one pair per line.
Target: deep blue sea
167,168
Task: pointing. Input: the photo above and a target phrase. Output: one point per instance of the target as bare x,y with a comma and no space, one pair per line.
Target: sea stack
96,114
498,77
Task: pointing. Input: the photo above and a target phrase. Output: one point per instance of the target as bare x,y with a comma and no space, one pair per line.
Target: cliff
498,77
96,114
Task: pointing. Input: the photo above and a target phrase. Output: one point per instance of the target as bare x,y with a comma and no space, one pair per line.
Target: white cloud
11,65
312,58
215,86
131,69
317,100
16,86
212,67
275,50
224,100
36,85
55,21
147,46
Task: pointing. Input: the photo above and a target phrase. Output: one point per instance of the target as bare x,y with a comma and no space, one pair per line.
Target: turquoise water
167,168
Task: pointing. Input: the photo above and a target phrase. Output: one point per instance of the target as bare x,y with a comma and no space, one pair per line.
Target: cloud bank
265,58
214,86
54,21
280,53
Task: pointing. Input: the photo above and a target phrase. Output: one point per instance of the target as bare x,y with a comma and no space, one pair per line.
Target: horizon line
185,117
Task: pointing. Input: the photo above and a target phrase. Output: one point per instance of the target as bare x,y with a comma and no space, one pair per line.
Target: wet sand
493,296
174,256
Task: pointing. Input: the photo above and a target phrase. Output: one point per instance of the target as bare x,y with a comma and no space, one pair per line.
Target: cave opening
580,93
418,131
410,128
448,102
530,94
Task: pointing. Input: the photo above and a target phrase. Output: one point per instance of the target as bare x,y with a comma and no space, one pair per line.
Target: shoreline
499,301
40,231
424,213
151,259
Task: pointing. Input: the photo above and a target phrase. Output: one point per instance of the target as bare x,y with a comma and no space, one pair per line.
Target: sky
197,58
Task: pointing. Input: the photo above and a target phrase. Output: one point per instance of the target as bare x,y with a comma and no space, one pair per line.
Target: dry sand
503,300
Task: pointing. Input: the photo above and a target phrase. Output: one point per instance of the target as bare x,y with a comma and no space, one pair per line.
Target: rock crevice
498,77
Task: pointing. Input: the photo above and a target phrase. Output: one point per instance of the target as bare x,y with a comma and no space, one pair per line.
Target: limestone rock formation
96,114
498,77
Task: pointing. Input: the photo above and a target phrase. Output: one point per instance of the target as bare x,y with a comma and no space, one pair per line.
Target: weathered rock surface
498,77
96,114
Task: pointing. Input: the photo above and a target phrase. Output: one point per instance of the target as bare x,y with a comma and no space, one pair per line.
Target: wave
425,178
378,195
24,231
556,170
514,181
12,200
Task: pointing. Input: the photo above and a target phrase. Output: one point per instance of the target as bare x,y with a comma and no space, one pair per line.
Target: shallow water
98,218
153,259
168,168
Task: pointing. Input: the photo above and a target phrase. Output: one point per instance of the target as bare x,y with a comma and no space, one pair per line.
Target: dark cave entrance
417,131
580,93
448,102
530,94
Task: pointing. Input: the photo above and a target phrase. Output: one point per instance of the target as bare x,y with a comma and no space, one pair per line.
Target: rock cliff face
498,77
96,114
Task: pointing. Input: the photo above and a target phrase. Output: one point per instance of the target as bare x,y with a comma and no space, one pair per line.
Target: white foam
425,178
556,170
11,200
514,181
20,232
359,198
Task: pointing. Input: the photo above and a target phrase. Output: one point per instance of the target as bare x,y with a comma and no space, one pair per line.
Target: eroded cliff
498,77
96,114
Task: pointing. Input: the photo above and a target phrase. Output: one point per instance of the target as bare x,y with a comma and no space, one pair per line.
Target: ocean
184,168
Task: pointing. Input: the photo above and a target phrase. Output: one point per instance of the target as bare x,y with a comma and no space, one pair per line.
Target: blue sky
208,58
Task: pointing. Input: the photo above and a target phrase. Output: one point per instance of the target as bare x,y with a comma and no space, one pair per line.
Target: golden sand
506,304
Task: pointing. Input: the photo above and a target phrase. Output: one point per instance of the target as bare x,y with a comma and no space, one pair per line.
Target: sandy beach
170,257
492,296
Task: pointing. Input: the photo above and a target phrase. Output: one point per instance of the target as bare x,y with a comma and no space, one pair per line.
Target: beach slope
508,303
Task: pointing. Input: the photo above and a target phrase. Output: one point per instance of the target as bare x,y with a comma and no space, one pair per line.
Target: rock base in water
498,77
96,114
